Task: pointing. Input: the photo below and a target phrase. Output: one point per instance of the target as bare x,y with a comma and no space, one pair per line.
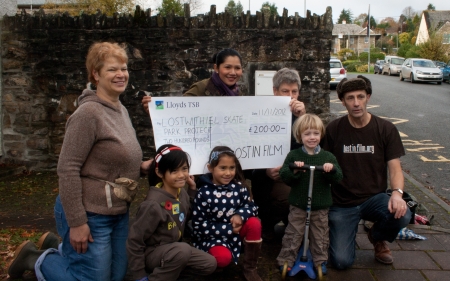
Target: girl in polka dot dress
224,216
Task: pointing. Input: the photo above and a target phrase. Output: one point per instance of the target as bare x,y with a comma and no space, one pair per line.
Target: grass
10,239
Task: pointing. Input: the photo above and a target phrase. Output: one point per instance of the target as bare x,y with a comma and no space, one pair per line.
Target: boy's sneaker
287,270
324,268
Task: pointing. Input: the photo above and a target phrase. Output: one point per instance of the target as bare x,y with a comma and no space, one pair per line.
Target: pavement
414,260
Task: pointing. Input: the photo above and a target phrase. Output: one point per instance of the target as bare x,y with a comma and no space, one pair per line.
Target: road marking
439,159
414,142
424,148
402,135
395,121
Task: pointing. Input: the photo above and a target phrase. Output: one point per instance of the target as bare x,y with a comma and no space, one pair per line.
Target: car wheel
401,76
439,83
412,78
389,72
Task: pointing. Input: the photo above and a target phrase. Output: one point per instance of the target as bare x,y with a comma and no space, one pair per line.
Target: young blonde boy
308,131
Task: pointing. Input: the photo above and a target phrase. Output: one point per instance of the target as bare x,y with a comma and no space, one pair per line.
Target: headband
164,152
215,154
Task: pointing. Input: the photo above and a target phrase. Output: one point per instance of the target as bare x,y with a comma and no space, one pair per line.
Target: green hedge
373,57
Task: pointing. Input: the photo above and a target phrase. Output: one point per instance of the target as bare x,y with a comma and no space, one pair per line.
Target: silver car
337,72
420,70
392,65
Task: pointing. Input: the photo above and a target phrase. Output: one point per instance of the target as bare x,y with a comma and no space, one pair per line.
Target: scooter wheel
284,271
319,273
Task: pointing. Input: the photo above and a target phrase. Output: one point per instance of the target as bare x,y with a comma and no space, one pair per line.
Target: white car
420,70
337,72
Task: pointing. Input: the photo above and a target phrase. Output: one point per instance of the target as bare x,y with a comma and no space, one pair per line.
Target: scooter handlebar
305,167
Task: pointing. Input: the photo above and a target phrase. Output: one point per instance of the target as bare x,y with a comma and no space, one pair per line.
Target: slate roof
350,29
436,19
28,2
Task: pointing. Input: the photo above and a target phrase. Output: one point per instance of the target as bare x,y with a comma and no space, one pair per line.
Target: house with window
353,37
434,21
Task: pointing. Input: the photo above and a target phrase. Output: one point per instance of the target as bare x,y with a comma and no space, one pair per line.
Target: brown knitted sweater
99,142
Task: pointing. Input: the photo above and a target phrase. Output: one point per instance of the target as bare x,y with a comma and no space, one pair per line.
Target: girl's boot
252,250
25,258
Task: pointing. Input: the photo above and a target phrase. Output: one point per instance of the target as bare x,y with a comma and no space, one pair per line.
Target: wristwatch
398,190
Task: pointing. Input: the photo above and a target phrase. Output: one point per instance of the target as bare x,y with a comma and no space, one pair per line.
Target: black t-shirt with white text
363,154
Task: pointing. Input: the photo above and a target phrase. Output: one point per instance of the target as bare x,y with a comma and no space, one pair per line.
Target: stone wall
43,66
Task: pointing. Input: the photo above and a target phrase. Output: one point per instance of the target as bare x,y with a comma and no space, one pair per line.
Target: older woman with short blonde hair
98,168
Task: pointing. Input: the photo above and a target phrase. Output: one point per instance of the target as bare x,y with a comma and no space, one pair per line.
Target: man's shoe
382,252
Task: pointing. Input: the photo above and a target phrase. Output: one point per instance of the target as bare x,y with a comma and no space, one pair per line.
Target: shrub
352,67
361,68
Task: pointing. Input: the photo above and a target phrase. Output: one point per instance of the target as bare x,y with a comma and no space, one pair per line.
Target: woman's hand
236,223
145,166
145,101
191,183
327,167
79,238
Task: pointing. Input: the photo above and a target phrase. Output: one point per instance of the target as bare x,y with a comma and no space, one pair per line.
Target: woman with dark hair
223,82
98,169
155,247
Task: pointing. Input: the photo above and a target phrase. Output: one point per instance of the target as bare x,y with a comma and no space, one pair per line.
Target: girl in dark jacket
155,247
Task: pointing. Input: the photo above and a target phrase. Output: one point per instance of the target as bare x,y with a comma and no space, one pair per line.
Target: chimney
344,21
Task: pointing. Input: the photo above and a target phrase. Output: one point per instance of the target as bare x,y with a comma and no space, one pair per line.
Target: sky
379,9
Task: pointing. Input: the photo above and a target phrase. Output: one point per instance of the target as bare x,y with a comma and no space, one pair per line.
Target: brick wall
43,60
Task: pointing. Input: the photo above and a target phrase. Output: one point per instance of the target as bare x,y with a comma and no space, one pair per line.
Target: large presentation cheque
258,129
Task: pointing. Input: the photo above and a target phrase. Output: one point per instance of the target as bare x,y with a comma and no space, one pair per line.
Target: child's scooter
305,262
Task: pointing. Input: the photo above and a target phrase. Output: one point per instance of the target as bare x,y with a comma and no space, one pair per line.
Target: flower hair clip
215,154
164,152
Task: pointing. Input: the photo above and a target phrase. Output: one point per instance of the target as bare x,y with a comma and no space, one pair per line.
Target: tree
389,24
373,23
76,7
404,38
171,6
194,5
233,8
359,20
433,49
345,15
409,12
431,7
273,8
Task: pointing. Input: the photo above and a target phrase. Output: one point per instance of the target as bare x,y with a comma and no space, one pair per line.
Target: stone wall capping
141,19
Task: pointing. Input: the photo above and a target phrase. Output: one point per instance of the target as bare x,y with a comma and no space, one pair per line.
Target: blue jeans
343,224
106,257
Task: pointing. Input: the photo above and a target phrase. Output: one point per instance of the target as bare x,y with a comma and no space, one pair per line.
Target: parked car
337,72
446,73
420,70
440,64
377,68
392,65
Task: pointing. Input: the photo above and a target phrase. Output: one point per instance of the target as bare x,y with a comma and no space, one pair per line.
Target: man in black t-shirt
366,147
